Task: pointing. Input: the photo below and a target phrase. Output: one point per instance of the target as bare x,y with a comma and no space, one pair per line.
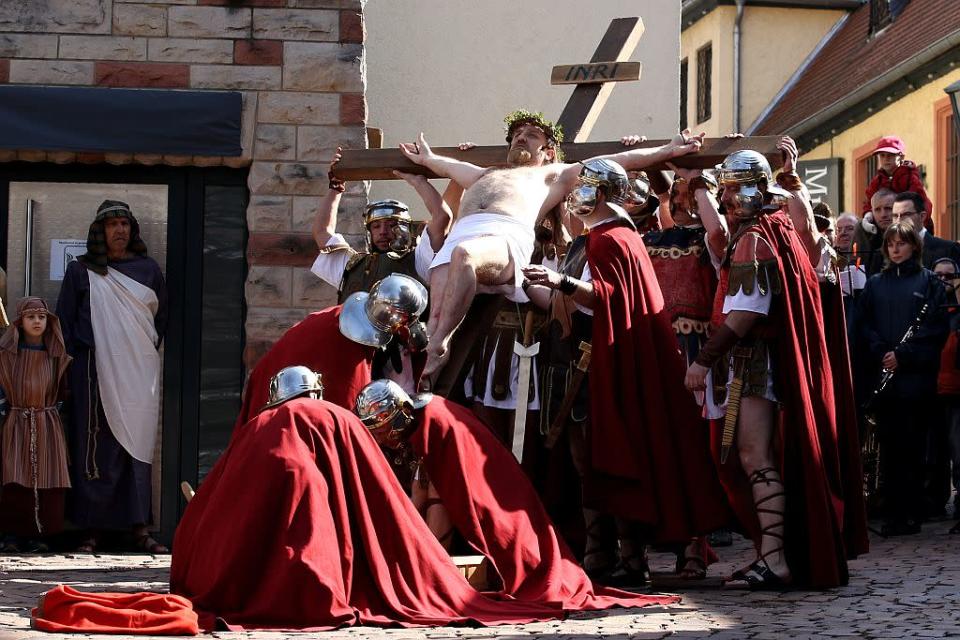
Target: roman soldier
779,404
646,455
389,243
302,525
489,498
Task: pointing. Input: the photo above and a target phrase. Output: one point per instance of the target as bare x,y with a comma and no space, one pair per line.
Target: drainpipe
736,66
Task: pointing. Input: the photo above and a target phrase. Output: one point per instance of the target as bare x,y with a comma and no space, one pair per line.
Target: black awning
194,123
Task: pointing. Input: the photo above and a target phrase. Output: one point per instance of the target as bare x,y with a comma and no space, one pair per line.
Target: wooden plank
374,138
378,164
587,100
596,72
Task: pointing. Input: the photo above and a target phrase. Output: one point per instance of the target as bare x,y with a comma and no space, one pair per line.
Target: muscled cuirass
366,269
687,279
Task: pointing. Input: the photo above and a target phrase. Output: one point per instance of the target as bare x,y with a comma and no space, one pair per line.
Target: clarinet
886,375
870,452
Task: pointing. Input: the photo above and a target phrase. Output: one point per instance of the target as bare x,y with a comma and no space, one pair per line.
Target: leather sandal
146,544
759,576
630,574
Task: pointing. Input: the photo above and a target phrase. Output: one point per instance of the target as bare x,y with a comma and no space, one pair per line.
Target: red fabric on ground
301,524
495,507
66,610
649,449
314,342
807,427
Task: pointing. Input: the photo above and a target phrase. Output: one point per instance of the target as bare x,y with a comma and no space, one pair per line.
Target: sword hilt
585,351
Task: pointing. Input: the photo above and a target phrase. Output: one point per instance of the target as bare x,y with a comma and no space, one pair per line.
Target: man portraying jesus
493,236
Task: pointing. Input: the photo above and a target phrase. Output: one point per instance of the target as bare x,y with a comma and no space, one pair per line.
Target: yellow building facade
917,118
769,54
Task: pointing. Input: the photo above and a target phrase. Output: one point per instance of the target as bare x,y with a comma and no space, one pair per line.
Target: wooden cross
595,81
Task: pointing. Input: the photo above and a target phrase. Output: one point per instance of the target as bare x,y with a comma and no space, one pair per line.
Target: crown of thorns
554,132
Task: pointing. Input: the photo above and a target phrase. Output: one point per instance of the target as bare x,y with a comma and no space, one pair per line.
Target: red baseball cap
890,144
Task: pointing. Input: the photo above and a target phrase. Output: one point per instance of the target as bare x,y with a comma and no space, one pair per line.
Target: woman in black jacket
890,304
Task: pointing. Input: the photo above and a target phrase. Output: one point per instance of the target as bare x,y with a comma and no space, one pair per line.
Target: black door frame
182,351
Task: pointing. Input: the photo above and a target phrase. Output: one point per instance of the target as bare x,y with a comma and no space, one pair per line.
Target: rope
93,409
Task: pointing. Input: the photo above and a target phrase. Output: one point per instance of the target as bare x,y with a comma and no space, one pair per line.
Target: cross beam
378,164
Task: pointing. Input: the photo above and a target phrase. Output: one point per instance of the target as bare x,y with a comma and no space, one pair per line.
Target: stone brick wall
300,67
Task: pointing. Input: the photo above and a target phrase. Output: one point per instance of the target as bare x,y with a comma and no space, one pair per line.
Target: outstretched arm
439,211
420,153
633,159
798,206
707,208
325,222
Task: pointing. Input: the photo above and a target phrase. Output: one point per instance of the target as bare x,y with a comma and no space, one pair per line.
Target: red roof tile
851,59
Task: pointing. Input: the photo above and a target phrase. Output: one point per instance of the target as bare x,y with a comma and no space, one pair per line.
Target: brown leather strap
717,346
501,364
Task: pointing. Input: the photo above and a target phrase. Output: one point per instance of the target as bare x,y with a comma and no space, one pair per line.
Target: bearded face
528,146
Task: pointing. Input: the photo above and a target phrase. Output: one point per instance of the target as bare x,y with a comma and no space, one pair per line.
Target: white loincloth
518,237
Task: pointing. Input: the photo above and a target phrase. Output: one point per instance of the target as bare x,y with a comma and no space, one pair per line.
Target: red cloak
649,448
301,524
495,507
848,436
807,433
314,342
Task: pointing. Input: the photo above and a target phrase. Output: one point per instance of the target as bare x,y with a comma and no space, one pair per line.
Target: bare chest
515,191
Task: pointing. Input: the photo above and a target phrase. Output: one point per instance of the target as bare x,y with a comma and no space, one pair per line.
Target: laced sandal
759,576
632,572
701,559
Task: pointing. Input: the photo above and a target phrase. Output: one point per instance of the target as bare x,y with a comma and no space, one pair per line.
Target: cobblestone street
906,587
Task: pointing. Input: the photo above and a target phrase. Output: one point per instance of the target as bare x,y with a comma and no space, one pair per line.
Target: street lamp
954,92
954,208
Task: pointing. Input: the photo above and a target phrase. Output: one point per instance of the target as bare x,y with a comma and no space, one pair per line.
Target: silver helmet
598,173
389,210
750,172
293,382
387,410
393,306
639,191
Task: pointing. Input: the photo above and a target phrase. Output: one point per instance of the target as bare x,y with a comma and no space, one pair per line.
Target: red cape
807,434
495,507
314,342
848,436
301,524
649,447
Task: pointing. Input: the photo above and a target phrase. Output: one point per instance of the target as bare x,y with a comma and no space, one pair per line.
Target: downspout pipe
736,65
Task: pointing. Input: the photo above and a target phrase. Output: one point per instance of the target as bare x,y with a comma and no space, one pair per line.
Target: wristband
567,286
790,181
717,346
698,183
336,184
